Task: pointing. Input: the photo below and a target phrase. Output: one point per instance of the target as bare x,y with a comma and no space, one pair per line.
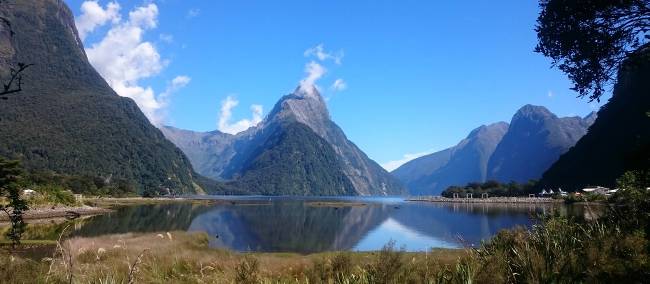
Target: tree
589,39
10,175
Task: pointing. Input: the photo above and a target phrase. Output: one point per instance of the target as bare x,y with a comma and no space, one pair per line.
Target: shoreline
59,212
502,200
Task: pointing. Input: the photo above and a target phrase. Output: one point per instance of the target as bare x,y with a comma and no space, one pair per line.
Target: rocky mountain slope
67,119
535,140
518,151
296,149
467,161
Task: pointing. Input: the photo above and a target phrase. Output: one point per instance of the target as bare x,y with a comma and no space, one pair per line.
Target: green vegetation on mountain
67,119
293,160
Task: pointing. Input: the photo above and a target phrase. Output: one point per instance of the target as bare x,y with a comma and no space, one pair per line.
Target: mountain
619,139
297,149
535,140
67,119
518,151
465,162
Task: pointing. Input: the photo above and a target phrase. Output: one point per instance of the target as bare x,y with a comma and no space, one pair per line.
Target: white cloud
314,72
224,124
322,55
167,38
93,16
550,94
392,165
124,58
194,12
339,85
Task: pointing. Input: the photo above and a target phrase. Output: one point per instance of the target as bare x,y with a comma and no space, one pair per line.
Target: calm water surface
290,224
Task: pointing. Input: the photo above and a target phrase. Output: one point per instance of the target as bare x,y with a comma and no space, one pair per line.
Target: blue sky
419,75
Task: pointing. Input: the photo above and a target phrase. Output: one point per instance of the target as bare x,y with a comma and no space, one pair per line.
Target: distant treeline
79,184
492,188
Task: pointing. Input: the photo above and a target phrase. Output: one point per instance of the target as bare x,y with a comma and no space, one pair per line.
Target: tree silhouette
589,39
10,175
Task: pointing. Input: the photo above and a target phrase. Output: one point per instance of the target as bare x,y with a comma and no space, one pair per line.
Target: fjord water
306,225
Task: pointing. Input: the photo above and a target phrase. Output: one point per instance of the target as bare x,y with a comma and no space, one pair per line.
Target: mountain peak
306,107
533,111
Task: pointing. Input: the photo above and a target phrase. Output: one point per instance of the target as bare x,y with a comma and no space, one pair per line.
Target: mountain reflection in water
297,225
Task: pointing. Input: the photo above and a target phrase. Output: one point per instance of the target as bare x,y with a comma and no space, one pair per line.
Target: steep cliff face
67,119
535,140
519,151
619,139
465,162
309,108
298,125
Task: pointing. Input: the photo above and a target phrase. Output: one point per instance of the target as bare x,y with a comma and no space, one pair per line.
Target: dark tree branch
15,83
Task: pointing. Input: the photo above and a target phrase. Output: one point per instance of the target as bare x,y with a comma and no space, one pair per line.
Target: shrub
247,271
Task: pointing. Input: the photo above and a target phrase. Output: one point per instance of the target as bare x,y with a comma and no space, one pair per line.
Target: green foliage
10,176
67,119
295,161
589,39
492,188
50,182
387,265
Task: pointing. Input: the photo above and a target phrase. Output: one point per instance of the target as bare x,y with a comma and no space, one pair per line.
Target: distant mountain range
67,119
297,149
519,151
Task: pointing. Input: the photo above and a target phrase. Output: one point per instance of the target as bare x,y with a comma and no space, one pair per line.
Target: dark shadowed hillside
534,141
467,161
67,119
619,139
519,151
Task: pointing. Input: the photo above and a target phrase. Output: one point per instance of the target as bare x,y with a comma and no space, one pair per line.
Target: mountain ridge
304,107
497,156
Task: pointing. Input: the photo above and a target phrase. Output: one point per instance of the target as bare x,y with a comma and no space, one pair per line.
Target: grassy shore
179,257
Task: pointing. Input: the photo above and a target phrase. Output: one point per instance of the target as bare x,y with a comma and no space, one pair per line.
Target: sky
401,78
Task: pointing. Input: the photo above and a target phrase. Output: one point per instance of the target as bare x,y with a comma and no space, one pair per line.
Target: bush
247,271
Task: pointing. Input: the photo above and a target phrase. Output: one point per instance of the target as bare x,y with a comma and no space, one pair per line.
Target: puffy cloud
124,58
314,72
224,124
392,165
339,85
93,16
322,55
